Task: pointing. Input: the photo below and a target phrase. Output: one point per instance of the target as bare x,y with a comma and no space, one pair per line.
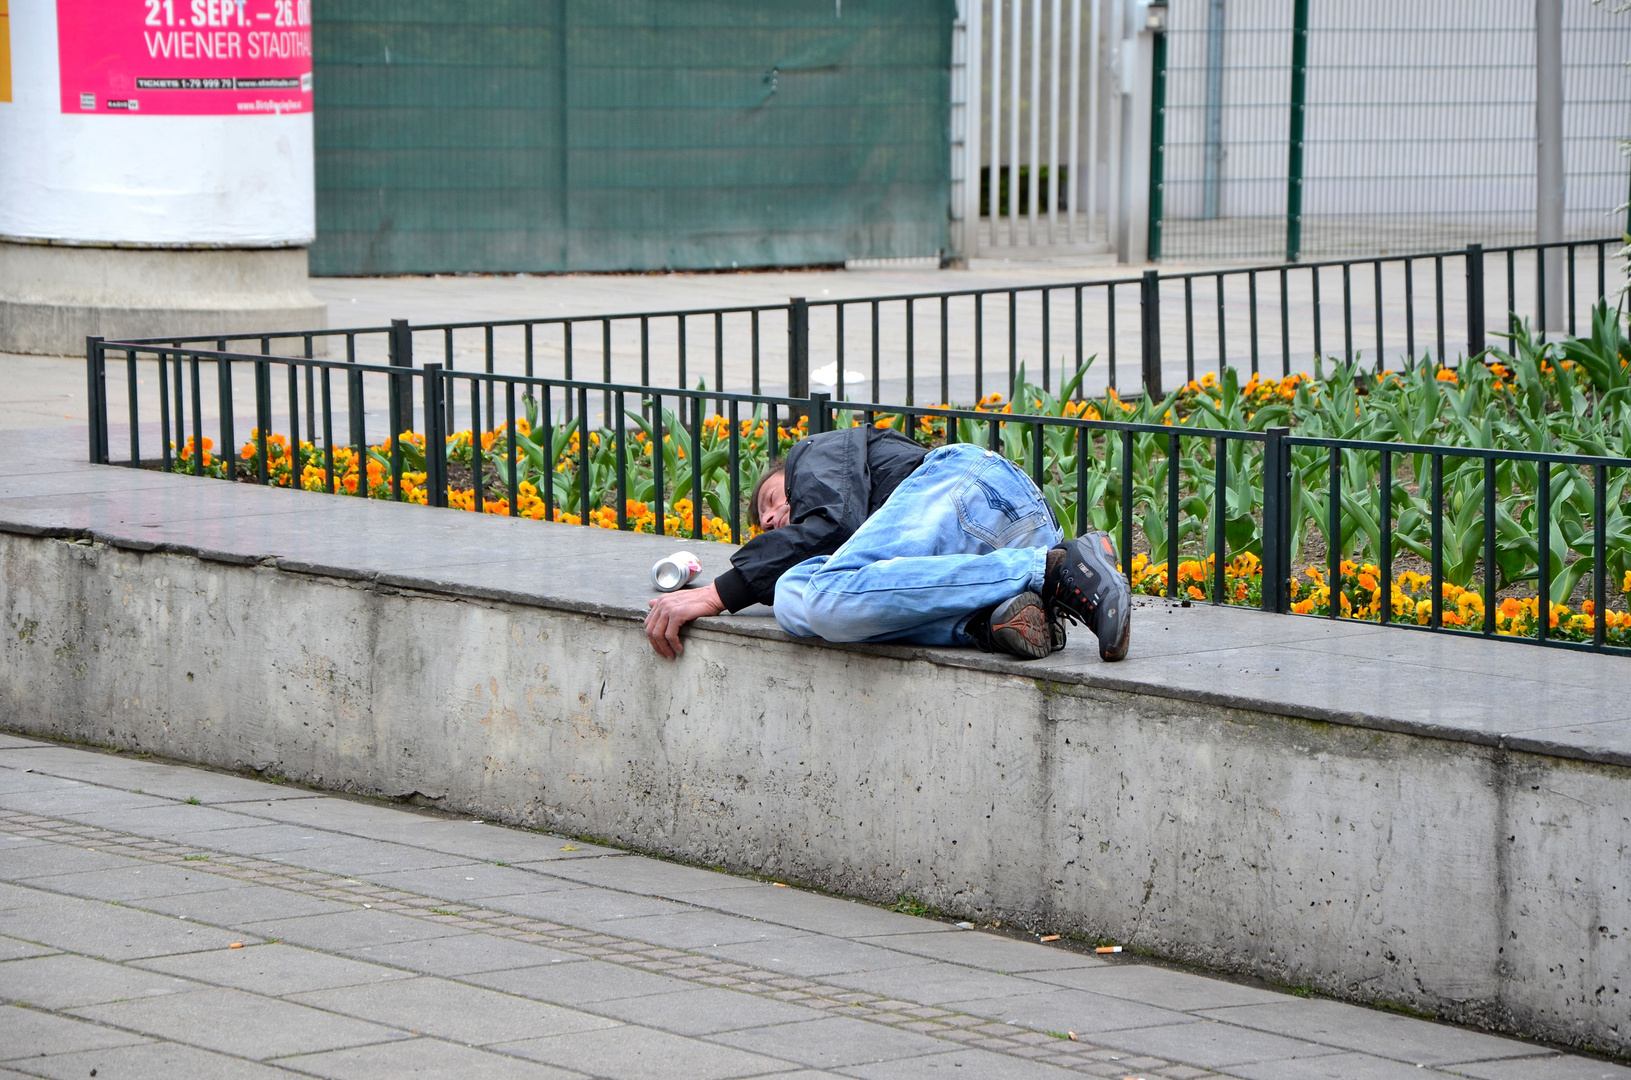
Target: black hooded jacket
835,481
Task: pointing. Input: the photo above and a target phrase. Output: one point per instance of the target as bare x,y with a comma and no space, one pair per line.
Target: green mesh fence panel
548,135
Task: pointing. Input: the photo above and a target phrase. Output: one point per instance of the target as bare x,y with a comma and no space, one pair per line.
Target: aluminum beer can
676,571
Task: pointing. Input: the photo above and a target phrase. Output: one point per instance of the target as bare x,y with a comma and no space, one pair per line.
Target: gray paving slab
935,983
274,970
269,839
654,877
233,1022
1208,1045
350,856
1180,990
1549,1067
22,896
164,780
454,1010
150,1061
970,1064
1369,1031
832,1042
635,1053
1606,740
243,904
1334,1067
52,858
703,1010
65,981
134,882
421,1057
18,742
13,949
31,1033
1069,1010
14,781
111,932
818,954
66,800
695,930
989,951
581,907
471,882
580,983
461,954
812,911
350,929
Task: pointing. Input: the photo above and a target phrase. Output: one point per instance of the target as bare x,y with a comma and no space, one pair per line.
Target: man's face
774,512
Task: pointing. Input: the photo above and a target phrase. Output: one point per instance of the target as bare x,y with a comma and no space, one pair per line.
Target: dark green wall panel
540,135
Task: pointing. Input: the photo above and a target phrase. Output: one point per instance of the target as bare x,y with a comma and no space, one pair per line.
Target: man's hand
670,613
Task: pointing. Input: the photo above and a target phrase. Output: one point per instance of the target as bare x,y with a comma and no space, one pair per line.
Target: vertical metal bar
133,408
311,403
566,364
227,451
1333,531
1079,360
875,353
1475,301
1013,330
1438,541
911,349
1150,311
838,314
263,417
328,435
979,343
585,466
1299,97
1251,302
696,468
1347,314
512,475
1220,517
1543,565
1285,327
180,403
645,351
1511,288
1314,276
527,350
1410,310
736,472
1174,466
358,428
1376,295
620,433
1438,303
1491,567
447,347
1189,327
477,459
945,351
1223,336
1275,570
1047,353
606,364
166,460
1111,308
1038,443
435,437
1084,449
659,508
1570,252
754,320
719,359
798,347
1599,554
1385,556
488,365
294,410
1540,291
1126,548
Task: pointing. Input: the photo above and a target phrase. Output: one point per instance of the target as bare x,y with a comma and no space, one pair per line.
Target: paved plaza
162,922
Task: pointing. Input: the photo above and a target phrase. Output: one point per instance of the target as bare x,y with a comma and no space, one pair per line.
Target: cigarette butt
779,885
1108,949
236,945
1050,937
1072,1036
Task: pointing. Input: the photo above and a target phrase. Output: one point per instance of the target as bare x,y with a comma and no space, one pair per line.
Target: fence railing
1230,512
1149,333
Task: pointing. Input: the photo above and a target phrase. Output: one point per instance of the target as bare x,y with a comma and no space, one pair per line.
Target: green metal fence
550,135
1417,125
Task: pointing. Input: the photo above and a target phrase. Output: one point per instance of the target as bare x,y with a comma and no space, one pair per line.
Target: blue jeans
965,531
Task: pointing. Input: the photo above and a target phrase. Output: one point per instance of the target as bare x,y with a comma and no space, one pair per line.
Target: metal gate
1037,127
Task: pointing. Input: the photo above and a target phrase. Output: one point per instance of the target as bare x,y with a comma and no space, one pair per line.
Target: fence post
1299,97
820,403
798,347
401,345
1149,296
96,401
1475,301
435,436
1276,562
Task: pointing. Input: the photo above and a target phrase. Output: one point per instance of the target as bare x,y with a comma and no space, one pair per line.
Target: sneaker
1083,585
1019,627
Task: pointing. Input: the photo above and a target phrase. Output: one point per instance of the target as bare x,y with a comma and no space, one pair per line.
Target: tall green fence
549,135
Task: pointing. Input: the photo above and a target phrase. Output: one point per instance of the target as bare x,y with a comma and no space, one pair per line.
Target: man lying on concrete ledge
870,537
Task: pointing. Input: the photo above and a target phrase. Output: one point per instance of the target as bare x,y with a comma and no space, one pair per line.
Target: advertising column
157,177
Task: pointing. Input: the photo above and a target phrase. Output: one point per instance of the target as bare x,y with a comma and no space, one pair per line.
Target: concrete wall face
1471,882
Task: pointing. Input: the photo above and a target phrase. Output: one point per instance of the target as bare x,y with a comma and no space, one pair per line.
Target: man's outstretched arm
671,612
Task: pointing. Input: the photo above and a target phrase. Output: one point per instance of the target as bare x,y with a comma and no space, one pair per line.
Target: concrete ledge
1411,837
52,297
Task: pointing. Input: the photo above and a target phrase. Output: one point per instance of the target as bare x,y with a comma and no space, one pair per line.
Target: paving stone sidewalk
166,922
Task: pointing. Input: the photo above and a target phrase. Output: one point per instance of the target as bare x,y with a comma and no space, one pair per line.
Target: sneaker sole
1020,627
1115,617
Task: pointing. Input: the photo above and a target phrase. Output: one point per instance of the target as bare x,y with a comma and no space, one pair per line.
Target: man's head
768,509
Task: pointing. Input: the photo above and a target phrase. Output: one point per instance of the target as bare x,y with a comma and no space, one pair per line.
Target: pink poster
185,57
